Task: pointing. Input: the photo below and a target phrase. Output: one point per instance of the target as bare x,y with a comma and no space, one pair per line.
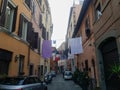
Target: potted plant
97,88
115,70
3,75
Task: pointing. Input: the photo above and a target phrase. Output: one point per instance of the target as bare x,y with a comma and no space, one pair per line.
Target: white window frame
24,30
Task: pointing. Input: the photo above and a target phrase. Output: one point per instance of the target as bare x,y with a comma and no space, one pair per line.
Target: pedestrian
63,74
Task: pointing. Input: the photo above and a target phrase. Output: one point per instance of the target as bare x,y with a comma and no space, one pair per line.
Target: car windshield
11,80
68,73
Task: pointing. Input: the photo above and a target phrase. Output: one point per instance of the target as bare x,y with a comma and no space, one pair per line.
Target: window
23,26
87,27
41,69
44,33
40,20
40,1
35,40
87,22
29,80
98,12
10,17
5,59
31,69
33,9
39,45
21,64
28,2
47,35
2,12
37,80
86,65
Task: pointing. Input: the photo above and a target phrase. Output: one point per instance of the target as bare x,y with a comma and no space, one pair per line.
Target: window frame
23,33
21,63
10,19
24,30
28,6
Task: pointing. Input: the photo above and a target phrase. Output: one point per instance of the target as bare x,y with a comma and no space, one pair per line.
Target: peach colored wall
35,60
15,46
8,42
88,51
22,8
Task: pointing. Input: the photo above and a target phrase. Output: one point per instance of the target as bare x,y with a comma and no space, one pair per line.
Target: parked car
67,75
53,73
48,78
22,83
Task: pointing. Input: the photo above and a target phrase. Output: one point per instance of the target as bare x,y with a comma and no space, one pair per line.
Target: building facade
84,29
22,32
73,17
14,47
47,29
98,25
107,40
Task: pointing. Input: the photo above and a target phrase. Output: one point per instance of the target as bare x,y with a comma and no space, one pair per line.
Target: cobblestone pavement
58,83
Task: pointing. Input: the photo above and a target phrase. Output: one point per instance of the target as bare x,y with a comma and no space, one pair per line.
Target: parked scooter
48,78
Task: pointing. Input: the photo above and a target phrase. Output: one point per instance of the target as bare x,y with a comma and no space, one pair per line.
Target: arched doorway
110,56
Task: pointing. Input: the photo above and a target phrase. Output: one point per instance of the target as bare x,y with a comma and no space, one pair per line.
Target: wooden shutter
14,19
28,2
29,32
20,25
32,38
35,40
2,17
1,1
39,44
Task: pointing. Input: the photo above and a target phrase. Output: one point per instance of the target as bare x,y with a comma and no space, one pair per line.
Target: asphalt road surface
58,83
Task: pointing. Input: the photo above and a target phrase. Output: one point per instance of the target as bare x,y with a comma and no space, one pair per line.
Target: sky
60,10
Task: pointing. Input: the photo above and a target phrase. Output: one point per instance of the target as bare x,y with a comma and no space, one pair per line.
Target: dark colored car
48,78
53,73
22,83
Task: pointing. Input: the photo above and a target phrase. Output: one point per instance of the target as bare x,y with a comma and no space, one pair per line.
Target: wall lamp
16,58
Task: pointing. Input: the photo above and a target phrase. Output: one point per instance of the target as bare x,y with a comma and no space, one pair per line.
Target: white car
67,75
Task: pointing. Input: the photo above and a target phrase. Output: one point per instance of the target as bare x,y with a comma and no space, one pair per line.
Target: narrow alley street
58,83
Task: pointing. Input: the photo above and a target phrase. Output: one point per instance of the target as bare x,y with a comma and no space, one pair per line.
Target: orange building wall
15,46
8,42
35,60
88,45
22,8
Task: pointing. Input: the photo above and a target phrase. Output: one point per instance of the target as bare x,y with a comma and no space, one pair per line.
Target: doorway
110,56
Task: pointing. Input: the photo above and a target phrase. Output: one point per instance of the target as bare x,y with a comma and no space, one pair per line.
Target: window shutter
32,35
1,1
40,21
88,33
28,2
47,35
44,33
35,40
20,25
14,20
39,44
29,32
2,17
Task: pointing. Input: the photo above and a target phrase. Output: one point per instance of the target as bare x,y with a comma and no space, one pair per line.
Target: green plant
3,75
115,70
97,88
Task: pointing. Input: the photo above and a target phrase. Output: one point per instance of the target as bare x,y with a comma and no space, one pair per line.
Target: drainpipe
28,63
